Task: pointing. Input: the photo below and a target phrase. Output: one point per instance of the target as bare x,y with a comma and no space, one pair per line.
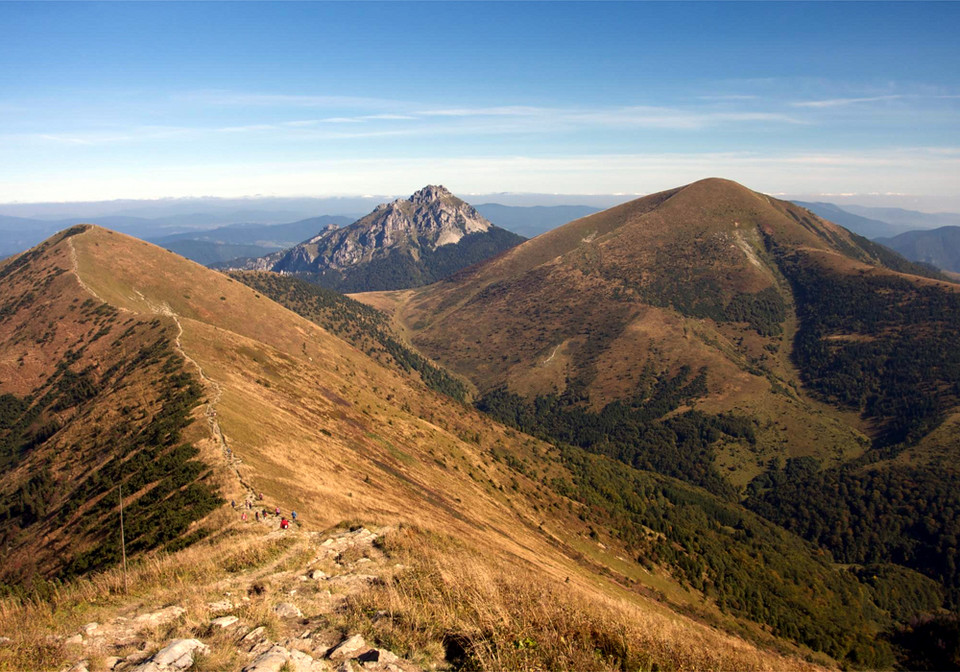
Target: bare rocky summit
409,242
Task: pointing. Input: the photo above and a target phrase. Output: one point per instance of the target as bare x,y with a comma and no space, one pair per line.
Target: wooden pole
123,543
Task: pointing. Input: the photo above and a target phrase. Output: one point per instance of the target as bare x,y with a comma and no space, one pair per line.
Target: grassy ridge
107,406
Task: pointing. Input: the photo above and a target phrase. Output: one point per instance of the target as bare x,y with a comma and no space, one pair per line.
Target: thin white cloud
389,117
501,111
731,97
463,122
674,118
94,138
841,102
241,99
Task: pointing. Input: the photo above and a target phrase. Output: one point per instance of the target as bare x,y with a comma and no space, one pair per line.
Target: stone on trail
287,610
303,662
381,656
76,640
318,574
158,618
89,628
254,635
220,607
178,654
269,661
148,666
224,621
348,648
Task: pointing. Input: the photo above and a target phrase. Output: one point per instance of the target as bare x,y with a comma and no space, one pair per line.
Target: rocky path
280,617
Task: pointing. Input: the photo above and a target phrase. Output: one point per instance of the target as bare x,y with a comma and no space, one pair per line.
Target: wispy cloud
841,102
95,138
501,111
544,119
676,118
241,99
731,97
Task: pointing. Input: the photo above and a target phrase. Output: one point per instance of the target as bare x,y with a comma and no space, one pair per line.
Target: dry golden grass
503,616
440,604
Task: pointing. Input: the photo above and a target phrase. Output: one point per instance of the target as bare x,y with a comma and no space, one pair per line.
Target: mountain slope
92,395
937,247
317,426
406,243
687,276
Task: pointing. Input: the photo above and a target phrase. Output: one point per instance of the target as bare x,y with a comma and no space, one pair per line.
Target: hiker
233,503
249,504
261,497
277,511
293,514
284,524
258,516
243,516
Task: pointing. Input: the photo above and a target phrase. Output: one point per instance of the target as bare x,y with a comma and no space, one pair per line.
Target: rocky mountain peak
430,194
402,235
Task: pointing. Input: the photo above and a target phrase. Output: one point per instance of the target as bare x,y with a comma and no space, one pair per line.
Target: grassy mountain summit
406,243
689,277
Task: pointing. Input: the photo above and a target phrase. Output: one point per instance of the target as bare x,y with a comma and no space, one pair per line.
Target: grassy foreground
418,593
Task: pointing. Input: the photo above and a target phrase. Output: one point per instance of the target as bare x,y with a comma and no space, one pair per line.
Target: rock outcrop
296,642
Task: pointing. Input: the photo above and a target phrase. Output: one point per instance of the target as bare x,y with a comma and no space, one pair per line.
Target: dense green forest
401,270
360,325
896,514
748,566
879,344
632,431
863,616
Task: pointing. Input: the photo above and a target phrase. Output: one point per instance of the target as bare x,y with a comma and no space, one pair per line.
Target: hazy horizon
358,204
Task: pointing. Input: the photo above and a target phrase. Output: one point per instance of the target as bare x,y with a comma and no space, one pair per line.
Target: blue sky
143,100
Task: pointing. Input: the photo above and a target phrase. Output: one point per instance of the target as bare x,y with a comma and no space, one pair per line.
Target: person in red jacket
284,524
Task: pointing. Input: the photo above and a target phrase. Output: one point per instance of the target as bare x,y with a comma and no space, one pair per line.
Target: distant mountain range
531,221
905,231
20,233
860,224
937,247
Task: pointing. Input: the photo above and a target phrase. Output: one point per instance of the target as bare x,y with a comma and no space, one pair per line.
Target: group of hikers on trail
262,515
